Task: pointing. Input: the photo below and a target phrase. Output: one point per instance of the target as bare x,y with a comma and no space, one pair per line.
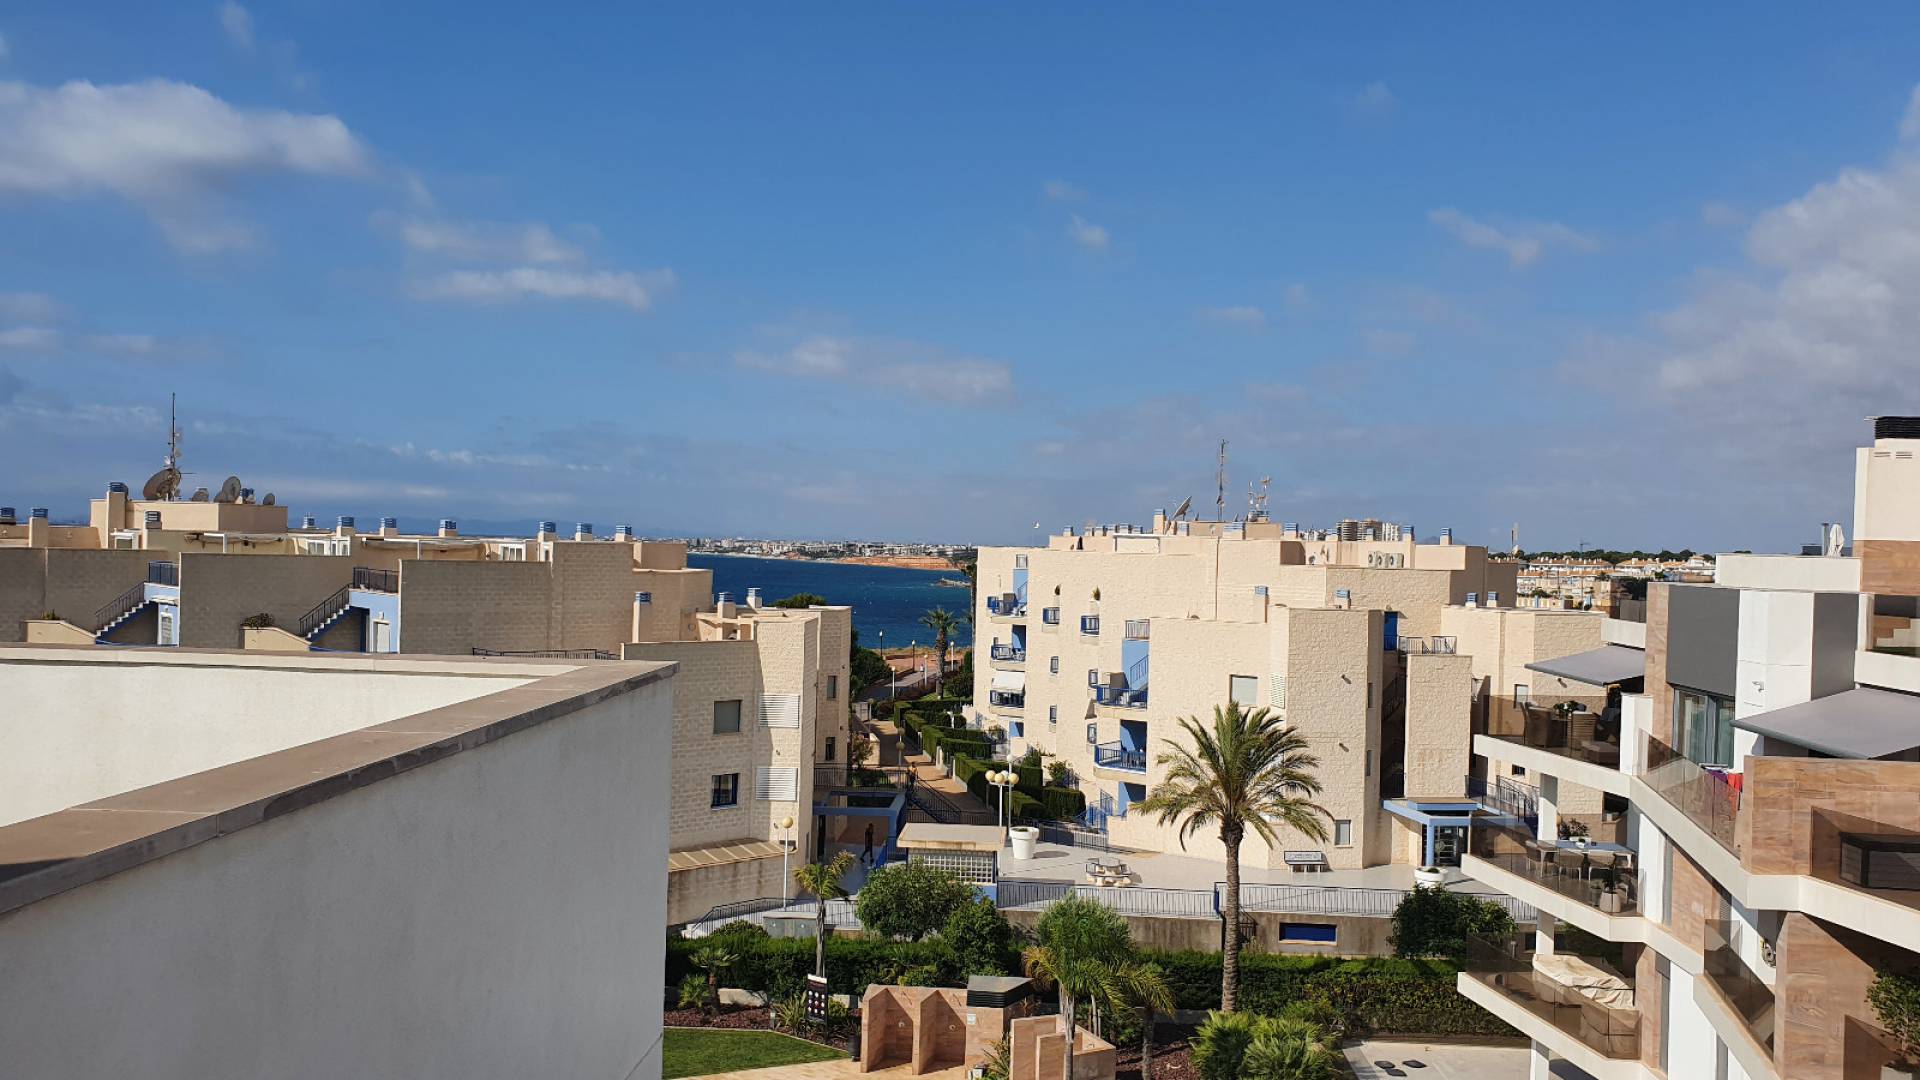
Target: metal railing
998,605
1511,797
317,616
1090,624
1506,965
840,914
1751,998
366,577
1604,881
1007,652
119,606
1351,900
163,572
550,654
1703,794
867,776
1050,616
1120,697
1208,903
1583,735
1115,756
1166,903
1139,629
1006,699
1443,645
1071,834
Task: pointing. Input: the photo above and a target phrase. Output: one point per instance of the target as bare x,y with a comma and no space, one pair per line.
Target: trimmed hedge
1381,995
1062,803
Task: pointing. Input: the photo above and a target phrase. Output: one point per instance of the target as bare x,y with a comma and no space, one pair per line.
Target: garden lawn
688,1052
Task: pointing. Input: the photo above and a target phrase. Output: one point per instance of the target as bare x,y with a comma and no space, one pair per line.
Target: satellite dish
1185,506
199,495
268,501
162,485
229,491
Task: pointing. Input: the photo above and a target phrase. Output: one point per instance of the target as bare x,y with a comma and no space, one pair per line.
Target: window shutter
1277,692
771,784
780,710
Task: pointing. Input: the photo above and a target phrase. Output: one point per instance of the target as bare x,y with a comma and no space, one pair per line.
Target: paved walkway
1163,870
832,1070
1376,1060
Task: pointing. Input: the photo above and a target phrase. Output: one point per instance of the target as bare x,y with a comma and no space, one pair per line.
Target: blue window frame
1309,933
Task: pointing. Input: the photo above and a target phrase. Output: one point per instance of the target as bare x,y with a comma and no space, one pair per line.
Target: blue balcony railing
1007,699
1120,697
999,605
1089,624
1050,616
1115,756
1009,652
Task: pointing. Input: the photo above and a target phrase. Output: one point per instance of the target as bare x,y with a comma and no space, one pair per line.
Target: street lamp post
786,849
1002,780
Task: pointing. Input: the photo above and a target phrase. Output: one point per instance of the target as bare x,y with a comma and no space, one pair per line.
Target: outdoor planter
1610,902
1430,876
1024,837
1899,1072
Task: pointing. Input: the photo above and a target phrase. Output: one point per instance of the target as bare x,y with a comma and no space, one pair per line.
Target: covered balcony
1120,757
1582,1007
1602,876
1708,796
1013,652
1008,691
1586,731
1006,606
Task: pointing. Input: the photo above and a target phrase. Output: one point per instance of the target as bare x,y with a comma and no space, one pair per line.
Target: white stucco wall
496,914
79,730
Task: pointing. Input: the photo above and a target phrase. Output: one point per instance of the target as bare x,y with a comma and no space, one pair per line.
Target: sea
887,601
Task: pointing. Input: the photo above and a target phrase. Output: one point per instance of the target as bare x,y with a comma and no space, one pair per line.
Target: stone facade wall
71,582
1439,724
1793,810
454,608
217,592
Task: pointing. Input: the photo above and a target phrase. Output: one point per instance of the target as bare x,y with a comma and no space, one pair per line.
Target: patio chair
1575,861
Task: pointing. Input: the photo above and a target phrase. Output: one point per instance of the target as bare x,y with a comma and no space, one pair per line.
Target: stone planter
1024,837
1610,902
1899,1072
1432,877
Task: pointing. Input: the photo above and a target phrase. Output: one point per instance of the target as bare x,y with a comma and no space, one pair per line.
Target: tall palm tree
943,623
1248,771
1143,987
1079,978
822,882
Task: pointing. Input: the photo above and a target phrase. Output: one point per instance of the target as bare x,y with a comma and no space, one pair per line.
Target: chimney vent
38,512
6,516
583,530
1896,427
753,598
1473,599
547,528
389,523
153,519
116,488
623,532
309,522
345,521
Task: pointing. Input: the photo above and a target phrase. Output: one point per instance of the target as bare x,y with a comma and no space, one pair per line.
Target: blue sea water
887,600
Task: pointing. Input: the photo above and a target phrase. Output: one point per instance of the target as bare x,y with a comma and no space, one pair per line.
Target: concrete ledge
1611,781
1727,1024
47,855
1560,1043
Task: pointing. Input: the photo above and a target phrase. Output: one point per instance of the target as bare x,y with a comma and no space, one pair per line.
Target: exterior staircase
322,616
121,610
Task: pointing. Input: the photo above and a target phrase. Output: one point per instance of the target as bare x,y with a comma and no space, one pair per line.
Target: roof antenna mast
1220,479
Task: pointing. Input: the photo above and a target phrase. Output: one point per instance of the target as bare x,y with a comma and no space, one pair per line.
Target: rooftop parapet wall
218,592
71,583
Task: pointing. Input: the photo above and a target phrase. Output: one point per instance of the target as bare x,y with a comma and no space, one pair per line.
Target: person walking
866,854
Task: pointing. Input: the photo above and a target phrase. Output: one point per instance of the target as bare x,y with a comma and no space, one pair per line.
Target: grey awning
1859,723
1010,681
1604,666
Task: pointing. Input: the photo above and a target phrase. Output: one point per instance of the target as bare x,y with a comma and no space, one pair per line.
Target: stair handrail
118,606
324,610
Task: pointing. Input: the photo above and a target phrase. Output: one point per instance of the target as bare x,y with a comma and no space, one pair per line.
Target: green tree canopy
981,938
1435,922
801,600
910,900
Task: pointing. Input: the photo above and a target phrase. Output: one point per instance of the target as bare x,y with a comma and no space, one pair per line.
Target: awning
1014,681
1859,723
1604,666
721,854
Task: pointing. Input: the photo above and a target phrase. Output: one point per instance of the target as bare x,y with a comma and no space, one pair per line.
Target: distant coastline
898,562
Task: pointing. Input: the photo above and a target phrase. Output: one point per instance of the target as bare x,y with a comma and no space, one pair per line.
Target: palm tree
822,882
943,623
971,571
1247,772
1143,987
1079,978
714,959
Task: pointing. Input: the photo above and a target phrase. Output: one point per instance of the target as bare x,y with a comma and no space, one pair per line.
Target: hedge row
1382,995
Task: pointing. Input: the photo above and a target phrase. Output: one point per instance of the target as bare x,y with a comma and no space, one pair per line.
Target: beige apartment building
222,864
764,696
1764,749
1097,643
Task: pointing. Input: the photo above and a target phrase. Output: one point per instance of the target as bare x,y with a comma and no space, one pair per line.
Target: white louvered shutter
780,710
1277,692
776,784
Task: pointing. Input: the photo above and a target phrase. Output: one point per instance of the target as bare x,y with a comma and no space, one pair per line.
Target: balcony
1577,733
1006,699
1749,997
1606,881
1011,654
163,572
1598,1015
1090,624
1050,616
1703,794
1120,697
369,579
1116,756
1438,644
1008,606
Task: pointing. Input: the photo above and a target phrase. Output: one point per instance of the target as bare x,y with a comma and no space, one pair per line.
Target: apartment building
1762,747
220,865
1097,643
764,698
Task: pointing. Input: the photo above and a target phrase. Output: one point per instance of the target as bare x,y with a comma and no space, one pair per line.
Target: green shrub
1435,922
693,990
1062,803
778,967
1220,1046
910,900
1245,1046
1276,1056
1030,778
1895,997
981,939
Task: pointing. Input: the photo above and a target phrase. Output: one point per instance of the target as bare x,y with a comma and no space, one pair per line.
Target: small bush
910,900
1220,1046
981,939
693,991
260,621
1435,922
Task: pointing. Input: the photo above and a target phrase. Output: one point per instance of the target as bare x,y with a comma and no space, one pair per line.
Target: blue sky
882,271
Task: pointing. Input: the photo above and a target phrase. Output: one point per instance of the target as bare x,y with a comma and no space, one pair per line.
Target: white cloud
1061,191
915,369
28,306
628,289
30,338
1374,99
1719,215
1244,315
1087,234
125,344
171,148
528,243
1522,241
237,24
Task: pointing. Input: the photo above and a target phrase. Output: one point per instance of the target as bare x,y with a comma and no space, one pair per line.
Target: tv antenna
1257,503
1220,480
165,484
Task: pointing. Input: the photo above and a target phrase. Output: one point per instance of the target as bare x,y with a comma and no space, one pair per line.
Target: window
833,687
1343,833
513,553
827,754
1243,690
1703,727
1093,733
1053,666
1093,676
1305,933
1053,715
726,790
1369,693
726,717
1521,694
643,598
1017,730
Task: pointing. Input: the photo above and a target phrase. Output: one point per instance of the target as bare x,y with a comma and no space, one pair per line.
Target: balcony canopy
1858,723
1604,666
1014,682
